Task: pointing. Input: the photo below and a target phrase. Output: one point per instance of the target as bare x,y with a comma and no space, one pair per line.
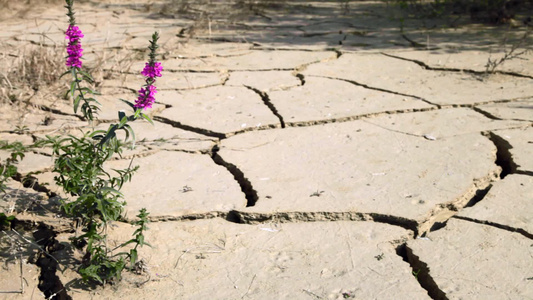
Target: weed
517,51
80,163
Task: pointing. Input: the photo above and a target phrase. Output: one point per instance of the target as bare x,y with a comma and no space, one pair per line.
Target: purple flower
74,49
146,97
152,71
74,33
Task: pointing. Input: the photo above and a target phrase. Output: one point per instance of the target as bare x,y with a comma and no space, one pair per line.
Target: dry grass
36,68
15,9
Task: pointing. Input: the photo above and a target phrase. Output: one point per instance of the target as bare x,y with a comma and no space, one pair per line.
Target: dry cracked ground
311,151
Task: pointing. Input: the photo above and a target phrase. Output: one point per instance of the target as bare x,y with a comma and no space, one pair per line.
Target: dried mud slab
202,49
214,258
218,111
508,204
474,60
442,123
164,136
264,81
32,162
256,60
359,167
516,110
405,77
468,260
35,120
175,184
519,143
329,99
170,81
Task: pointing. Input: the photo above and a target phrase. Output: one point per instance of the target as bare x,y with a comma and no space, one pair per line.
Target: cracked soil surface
302,152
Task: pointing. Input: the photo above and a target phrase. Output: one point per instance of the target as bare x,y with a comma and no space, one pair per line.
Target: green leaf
76,103
72,88
109,134
147,118
130,130
97,132
140,239
137,113
84,73
123,121
133,257
61,76
112,190
128,103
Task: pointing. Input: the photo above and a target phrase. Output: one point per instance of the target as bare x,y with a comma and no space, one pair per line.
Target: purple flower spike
74,49
146,97
152,71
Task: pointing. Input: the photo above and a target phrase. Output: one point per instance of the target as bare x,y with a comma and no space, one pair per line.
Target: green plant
5,221
80,164
8,167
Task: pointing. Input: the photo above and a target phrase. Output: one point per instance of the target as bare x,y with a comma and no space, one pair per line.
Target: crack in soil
58,112
497,225
300,77
472,105
421,272
190,128
378,89
457,70
49,282
504,158
439,215
254,218
266,100
357,117
486,113
246,186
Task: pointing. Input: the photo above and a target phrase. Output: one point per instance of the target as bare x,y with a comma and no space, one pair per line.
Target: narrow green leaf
111,190
147,118
128,128
61,76
97,132
137,113
128,103
133,257
123,121
72,88
76,103
121,114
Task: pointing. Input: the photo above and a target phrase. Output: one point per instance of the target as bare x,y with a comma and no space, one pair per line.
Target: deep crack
266,99
421,272
49,282
504,158
444,211
301,77
246,186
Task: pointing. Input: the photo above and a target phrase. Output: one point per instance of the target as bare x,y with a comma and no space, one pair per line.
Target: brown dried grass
35,68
